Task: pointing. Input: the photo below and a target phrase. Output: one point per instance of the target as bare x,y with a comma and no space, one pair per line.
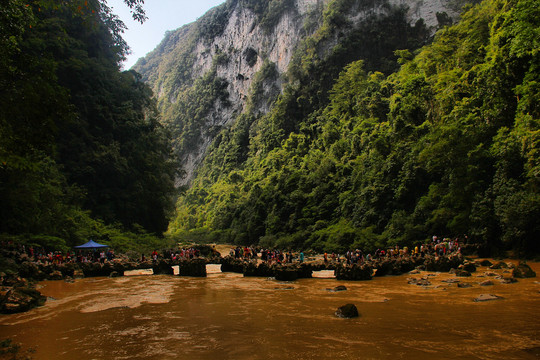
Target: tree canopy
81,143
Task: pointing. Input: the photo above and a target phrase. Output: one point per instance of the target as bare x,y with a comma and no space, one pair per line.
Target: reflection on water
226,316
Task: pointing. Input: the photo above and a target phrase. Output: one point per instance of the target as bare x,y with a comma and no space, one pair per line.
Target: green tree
81,141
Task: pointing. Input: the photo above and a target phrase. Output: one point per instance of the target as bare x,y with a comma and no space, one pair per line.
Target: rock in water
485,263
419,282
353,272
499,265
55,275
487,297
251,269
338,288
193,267
162,267
470,267
20,299
486,283
231,264
285,274
462,273
451,281
347,311
523,271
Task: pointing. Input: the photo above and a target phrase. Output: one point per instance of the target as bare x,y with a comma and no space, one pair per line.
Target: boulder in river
231,264
193,267
451,281
499,265
485,263
67,269
91,269
403,265
251,269
305,271
55,275
31,270
347,311
162,267
338,288
487,283
264,270
443,263
20,299
508,280
469,266
284,273
419,282
462,273
487,297
523,271
353,272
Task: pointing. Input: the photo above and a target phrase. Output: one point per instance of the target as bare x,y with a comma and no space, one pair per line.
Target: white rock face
427,10
243,32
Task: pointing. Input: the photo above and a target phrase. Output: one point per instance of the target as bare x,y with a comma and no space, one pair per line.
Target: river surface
227,316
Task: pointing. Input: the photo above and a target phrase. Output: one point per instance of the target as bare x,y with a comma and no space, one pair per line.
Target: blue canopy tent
91,245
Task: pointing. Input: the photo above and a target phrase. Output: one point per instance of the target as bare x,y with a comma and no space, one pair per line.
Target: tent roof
91,245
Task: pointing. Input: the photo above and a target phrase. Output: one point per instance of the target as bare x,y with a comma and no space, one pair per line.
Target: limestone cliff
206,73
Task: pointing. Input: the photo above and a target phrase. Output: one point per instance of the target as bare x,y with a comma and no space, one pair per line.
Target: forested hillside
82,153
365,150
234,59
337,124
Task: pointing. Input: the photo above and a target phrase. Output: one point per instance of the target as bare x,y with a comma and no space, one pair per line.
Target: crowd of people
437,246
270,256
40,255
180,254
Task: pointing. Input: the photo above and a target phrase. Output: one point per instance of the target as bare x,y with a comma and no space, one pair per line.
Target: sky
162,15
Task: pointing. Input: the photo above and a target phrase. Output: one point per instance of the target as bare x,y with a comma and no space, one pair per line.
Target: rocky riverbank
364,271
18,293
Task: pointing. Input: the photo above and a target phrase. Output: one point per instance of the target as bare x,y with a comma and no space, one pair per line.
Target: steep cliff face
205,73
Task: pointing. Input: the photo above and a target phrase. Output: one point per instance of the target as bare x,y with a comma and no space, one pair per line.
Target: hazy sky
162,15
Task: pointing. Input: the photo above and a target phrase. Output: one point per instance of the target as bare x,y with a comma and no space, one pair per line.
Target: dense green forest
82,152
367,149
389,137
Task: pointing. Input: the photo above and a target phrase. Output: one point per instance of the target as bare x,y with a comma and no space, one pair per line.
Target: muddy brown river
227,316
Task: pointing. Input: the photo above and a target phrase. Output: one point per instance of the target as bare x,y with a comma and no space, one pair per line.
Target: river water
227,316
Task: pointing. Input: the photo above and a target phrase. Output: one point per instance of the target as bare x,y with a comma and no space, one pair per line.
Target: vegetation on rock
446,143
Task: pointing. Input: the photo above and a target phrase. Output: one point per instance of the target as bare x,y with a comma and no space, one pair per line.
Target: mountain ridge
242,46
